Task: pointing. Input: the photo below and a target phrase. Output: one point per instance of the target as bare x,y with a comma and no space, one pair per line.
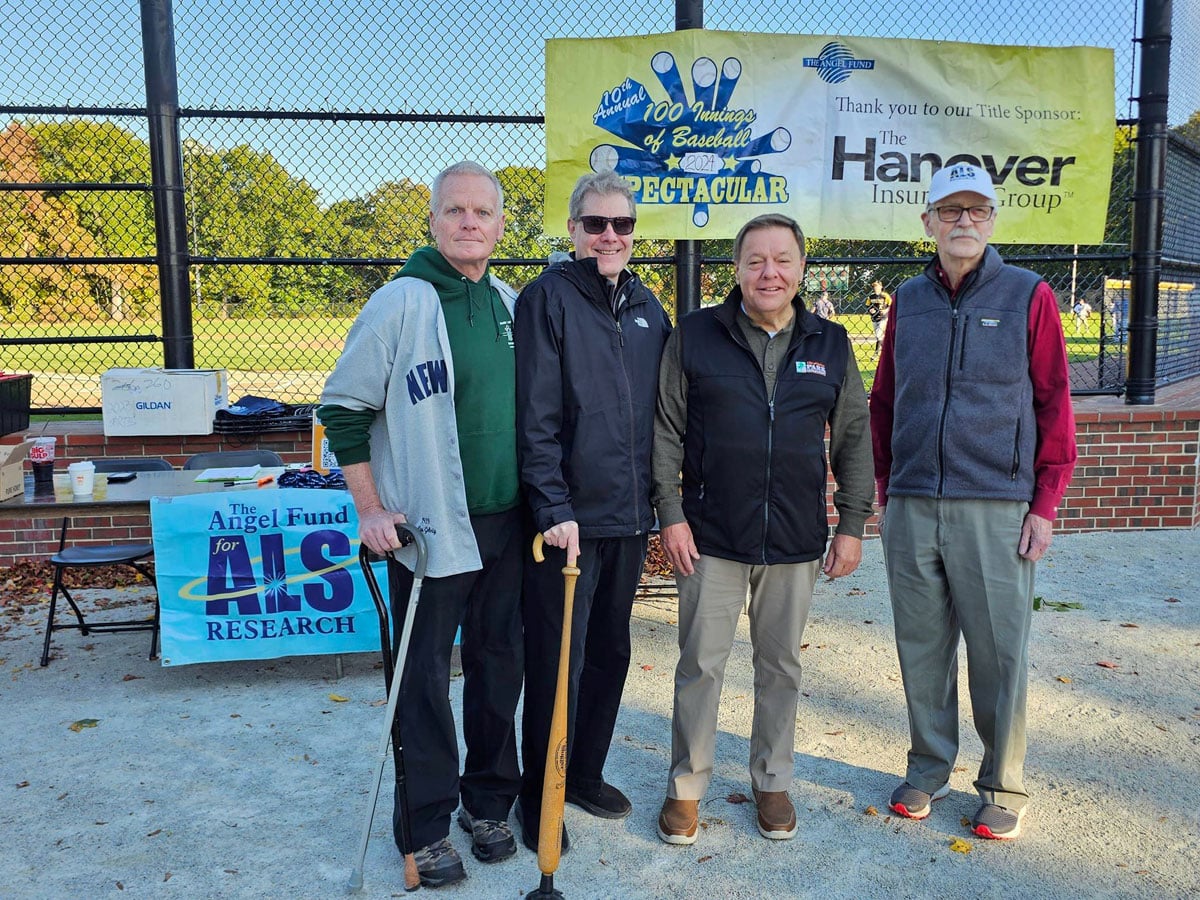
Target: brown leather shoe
679,821
776,815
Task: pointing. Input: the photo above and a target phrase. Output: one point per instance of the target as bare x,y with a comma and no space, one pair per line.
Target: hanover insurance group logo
836,63
701,152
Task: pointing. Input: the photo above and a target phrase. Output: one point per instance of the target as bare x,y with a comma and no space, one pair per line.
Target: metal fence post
1149,190
688,14
166,176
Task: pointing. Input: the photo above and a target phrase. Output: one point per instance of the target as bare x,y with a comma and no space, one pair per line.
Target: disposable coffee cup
41,457
83,477
62,486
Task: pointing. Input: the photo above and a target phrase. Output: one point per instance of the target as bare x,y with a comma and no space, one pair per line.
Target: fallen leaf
338,698
1064,679
82,724
1128,625
647,667
379,702
22,784
155,832
868,621
964,822
855,592
1160,727
132,678
231,871
835,733
235,715
1105,664
804,646
958,845
120,886
707,858
870,811
603,861
1172,599
167,877
737,797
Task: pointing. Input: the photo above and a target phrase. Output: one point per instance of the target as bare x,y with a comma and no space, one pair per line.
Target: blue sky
462,56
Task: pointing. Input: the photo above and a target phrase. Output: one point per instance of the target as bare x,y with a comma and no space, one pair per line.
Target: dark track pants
610,569
486,603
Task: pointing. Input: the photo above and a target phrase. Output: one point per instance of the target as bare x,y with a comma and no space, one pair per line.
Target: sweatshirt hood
428,264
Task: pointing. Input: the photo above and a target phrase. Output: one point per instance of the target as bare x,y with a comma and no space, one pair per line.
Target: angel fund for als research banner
712,128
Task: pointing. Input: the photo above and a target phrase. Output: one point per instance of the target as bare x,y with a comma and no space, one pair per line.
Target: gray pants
710,602
953,568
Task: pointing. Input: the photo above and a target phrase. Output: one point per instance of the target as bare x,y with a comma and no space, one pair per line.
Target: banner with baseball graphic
713,128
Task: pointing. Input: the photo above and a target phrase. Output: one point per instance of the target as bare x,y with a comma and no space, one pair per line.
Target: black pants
610,569
486,603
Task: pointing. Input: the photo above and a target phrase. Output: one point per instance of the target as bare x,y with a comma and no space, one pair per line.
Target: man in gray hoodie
420,412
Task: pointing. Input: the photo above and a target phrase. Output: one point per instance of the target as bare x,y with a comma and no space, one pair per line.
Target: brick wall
1137,470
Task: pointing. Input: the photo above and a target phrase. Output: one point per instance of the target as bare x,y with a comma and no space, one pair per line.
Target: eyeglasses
597,224
954,213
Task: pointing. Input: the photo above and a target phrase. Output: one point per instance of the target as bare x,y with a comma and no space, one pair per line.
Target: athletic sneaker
998,823
913,803
491,839
439,864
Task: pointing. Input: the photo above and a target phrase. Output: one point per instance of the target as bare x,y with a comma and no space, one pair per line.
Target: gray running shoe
997,823
914,803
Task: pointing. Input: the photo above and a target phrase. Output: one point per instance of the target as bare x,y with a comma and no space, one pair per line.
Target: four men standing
442,409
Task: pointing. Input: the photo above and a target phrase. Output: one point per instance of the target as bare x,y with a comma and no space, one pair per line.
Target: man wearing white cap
974,441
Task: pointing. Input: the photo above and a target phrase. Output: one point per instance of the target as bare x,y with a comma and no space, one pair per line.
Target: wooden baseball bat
554,780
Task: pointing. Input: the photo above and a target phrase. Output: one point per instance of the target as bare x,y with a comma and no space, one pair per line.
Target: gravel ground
251,779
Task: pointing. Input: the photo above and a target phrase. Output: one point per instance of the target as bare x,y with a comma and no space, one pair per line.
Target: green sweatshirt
479,327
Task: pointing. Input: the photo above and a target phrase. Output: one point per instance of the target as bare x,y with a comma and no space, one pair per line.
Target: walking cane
393,676
554,780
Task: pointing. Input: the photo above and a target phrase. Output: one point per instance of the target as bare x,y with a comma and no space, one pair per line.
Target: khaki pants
953,568
709,604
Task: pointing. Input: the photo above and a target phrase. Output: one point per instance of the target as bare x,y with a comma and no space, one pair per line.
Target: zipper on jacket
1016,465
941,446
962,348
767,486
637,507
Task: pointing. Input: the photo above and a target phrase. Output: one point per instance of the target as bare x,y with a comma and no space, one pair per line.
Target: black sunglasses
597,224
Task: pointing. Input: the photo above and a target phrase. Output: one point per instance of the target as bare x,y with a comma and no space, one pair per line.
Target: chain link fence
311,131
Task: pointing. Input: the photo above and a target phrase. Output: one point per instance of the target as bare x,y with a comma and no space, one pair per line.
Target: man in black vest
974,441
746,390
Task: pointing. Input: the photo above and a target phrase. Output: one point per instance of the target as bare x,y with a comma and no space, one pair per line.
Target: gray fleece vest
964,426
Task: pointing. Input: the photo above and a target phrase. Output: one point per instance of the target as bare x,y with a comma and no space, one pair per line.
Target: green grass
307,345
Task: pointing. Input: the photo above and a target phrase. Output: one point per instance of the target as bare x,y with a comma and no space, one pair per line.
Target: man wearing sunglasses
974,441
589,336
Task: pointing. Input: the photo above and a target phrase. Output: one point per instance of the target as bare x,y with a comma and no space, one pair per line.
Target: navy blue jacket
587,382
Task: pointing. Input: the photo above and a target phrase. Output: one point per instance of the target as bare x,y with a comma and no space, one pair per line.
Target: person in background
589,337
824,306
974,440
746,391
420,411
879,304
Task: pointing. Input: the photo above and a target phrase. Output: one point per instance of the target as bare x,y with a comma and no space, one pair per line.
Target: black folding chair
93,556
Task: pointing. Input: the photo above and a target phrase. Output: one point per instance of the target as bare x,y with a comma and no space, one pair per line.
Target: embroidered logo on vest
810,368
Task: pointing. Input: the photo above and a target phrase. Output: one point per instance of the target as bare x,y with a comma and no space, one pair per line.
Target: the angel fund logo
701,152
269,590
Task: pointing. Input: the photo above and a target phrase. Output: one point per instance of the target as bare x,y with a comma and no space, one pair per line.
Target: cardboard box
12,471
162,401
322,459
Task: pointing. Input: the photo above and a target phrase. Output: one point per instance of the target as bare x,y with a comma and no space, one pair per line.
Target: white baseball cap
960,177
